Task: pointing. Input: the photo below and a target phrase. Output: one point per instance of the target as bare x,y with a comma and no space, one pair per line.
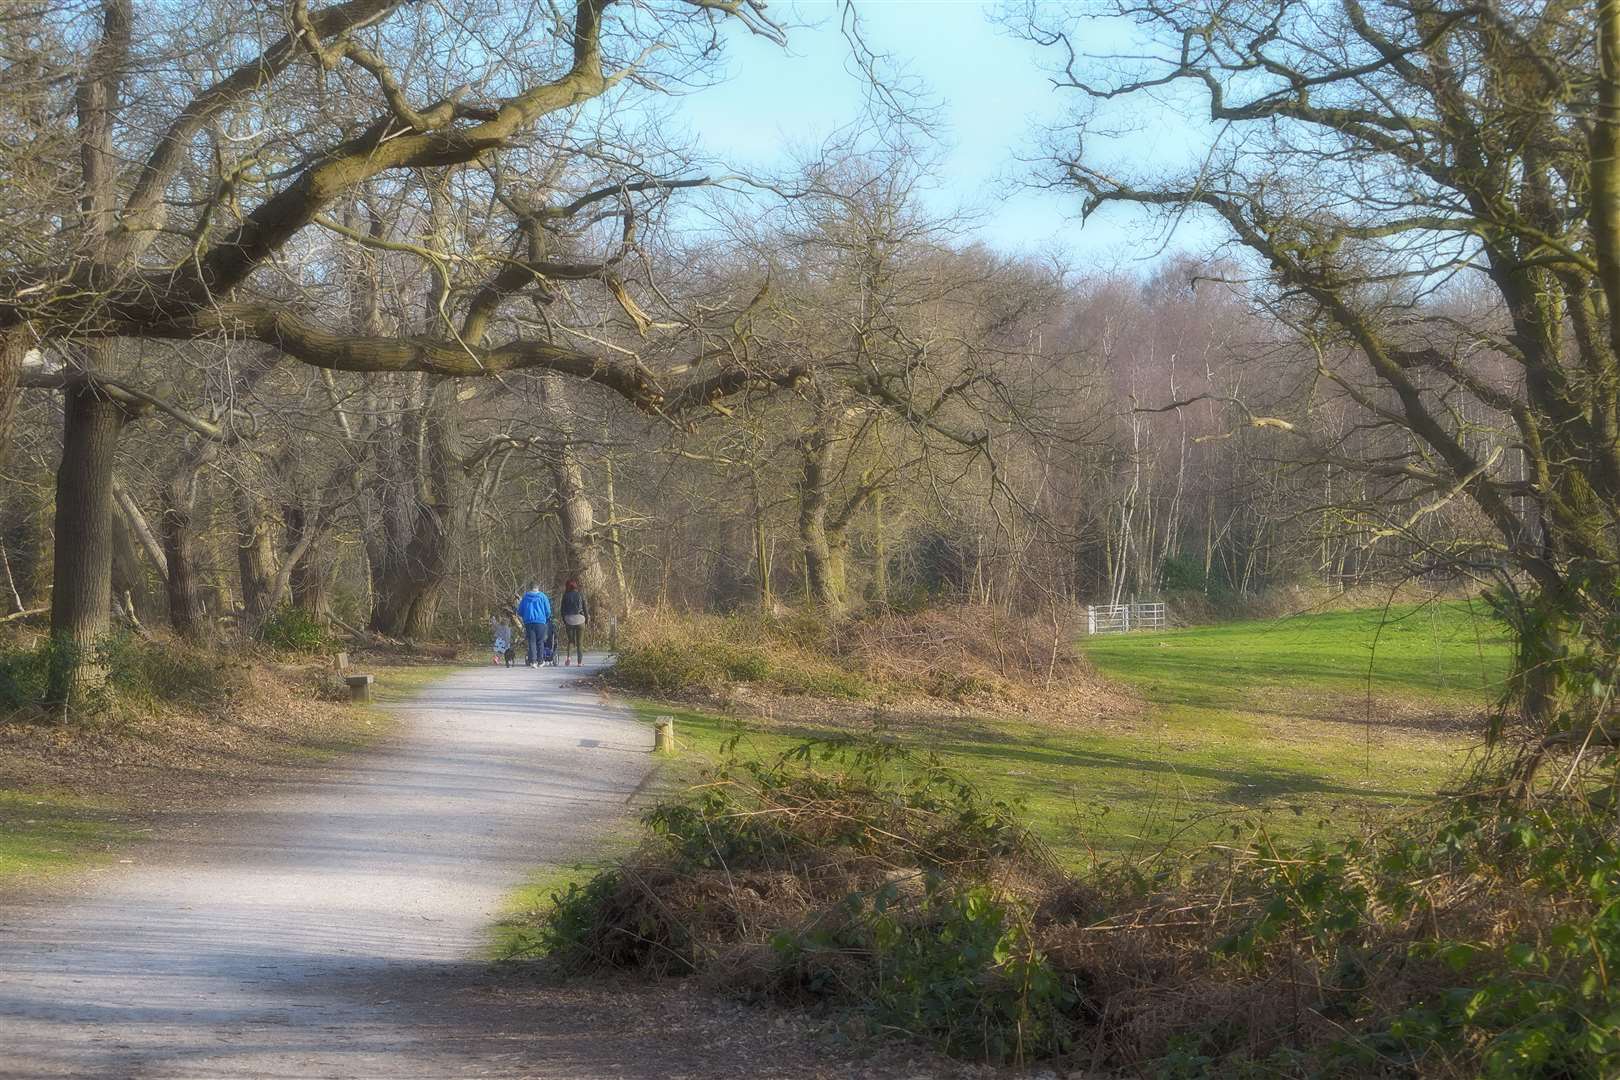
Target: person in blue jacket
534,608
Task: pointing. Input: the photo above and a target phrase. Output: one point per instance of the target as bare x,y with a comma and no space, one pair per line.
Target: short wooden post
359,687
340,660
664,735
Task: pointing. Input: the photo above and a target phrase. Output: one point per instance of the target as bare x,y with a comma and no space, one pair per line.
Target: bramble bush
292,629
1476,941
850,873
959,653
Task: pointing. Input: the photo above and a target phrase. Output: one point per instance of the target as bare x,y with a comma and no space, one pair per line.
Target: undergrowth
292,629
852,873
1477,941
960,654
141,675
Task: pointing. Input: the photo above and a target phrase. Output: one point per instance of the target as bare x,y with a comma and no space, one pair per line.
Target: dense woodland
411,506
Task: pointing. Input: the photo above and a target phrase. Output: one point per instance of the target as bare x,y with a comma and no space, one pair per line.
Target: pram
548,650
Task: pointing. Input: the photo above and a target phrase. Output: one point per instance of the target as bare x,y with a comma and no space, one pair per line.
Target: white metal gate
1120,618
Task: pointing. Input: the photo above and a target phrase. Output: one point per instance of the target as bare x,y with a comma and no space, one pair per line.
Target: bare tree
1367,153
203,237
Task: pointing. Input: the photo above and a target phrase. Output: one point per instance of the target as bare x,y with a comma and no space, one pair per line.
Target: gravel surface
333,928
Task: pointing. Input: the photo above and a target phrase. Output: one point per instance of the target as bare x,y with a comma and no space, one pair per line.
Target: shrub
960,653
151,673
292,629
23,674
1183,573
140,673
855,873
1478,941
955,967
670,656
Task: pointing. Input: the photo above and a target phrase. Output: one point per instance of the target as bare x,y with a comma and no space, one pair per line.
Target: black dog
511,654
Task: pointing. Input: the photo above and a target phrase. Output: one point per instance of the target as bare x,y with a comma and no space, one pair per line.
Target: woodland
371,311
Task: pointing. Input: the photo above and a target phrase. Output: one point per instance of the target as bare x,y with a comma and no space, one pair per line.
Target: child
502,631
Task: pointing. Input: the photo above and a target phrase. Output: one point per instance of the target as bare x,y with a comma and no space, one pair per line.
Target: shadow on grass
1248,784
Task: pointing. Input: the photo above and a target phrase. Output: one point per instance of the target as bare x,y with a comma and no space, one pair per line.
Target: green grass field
1312,723
1439,652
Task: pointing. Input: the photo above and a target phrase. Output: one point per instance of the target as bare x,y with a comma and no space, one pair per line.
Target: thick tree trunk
577,519
81,600
314,571
407,602
576,515
413,559
824,535
823,561
81,596
178,535
14,345
255,560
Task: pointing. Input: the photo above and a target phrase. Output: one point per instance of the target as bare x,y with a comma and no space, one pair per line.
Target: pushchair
548,650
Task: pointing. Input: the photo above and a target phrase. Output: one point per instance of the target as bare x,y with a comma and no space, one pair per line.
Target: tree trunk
576,515
179,538
314,571
880,554
615,542
1605,169
819,580
14,346
255,560
129,583
413,559
825,535
81,600
762,545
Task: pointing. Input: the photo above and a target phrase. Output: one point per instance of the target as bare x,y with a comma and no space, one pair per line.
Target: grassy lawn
1440,652
1275,723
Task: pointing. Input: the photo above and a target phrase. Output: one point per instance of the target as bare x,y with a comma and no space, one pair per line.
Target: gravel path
333,928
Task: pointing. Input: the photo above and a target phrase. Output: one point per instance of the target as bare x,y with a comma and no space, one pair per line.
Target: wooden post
664,735
340,660
359,687
613,633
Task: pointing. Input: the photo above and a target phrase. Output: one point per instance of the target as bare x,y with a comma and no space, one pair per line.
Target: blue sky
995,95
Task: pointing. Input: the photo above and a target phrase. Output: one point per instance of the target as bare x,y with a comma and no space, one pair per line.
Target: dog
511,654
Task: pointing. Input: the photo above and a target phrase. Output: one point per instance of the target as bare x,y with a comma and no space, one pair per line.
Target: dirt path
332,927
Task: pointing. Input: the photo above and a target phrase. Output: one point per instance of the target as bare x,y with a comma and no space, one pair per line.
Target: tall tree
1364,153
